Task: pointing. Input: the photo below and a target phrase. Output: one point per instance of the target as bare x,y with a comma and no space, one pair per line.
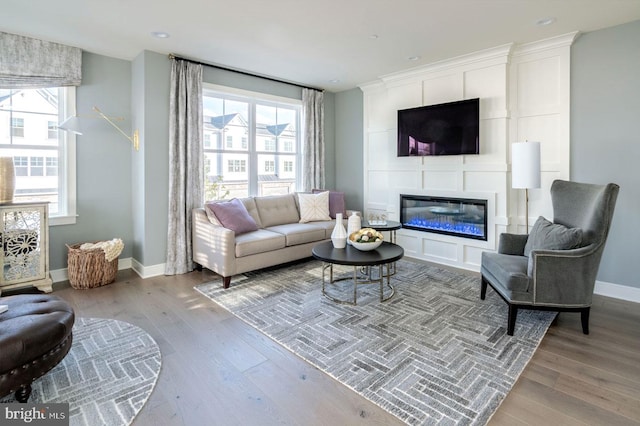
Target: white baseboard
617,291
147,271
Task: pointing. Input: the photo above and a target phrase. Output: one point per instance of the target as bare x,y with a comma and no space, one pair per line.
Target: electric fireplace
461,217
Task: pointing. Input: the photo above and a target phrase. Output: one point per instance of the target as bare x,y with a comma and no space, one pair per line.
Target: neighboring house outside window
267,159
43,156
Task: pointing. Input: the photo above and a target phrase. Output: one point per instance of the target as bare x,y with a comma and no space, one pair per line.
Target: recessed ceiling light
334,80
545,21
373,36
413,58
160,34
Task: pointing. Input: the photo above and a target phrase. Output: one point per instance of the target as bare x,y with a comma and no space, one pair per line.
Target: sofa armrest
214,246
512,244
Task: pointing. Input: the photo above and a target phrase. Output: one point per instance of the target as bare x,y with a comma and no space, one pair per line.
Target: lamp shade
525,165
71,124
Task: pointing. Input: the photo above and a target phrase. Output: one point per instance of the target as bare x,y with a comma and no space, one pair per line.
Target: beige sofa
280,238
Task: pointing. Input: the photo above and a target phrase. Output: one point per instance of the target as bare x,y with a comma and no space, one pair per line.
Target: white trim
147,271
617,291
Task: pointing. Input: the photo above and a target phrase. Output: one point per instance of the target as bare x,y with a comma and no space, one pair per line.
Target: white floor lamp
525,170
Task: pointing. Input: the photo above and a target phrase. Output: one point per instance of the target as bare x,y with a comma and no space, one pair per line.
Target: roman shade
31,63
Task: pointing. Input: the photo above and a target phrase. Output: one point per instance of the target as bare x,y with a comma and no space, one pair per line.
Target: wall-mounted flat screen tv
452,128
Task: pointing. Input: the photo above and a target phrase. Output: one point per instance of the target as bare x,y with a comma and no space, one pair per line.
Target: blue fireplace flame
446,226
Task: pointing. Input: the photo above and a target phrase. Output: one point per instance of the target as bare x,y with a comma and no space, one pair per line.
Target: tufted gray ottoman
35,335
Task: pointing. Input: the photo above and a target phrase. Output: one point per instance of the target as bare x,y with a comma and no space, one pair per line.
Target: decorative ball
366,239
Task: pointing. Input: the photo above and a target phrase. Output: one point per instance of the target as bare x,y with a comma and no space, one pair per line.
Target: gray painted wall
103,160
349,122
124,193
605,141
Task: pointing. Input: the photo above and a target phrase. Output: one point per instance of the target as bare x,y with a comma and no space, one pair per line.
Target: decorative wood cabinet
24,246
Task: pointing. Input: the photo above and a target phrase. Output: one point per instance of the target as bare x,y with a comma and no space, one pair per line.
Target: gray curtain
313,152
185,162
31,63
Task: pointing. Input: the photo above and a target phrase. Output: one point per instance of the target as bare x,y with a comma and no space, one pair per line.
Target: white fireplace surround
524,95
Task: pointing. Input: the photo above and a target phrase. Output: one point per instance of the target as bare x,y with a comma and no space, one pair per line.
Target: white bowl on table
366,246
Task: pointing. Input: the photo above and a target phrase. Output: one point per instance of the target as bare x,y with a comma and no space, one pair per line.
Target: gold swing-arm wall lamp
135,138
72,124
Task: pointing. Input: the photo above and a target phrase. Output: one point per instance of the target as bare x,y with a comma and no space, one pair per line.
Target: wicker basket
89,268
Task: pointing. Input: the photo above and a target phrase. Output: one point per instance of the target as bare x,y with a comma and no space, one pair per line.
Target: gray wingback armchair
555,266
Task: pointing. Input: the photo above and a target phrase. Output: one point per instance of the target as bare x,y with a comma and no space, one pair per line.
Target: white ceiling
308,42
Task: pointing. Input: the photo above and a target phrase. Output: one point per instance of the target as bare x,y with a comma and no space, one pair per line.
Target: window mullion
253,155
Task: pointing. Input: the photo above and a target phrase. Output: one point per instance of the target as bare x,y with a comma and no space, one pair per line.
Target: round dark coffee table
363,262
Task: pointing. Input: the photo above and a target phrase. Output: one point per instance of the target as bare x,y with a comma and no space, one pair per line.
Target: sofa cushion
250,205
259,241
327,226
336,202
299,233
277,209
314,207
233,215
550,236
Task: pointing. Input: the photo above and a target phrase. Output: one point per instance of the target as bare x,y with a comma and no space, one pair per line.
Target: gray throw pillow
550,236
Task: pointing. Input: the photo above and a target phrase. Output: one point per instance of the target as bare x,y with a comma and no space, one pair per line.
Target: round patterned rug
106,377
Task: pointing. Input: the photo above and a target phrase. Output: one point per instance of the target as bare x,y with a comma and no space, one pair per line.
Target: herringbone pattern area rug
433,354
106,377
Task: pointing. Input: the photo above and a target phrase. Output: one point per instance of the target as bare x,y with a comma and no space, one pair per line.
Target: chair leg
483,288
23,393
511,323
584,316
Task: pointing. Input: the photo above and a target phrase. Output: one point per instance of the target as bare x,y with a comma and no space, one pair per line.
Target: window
269,166
237,166
21,165
17,127
270,145
266,157
36,166
52,166
52,130
44,160
207,140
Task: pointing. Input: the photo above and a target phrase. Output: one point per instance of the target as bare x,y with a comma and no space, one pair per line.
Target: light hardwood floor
216,370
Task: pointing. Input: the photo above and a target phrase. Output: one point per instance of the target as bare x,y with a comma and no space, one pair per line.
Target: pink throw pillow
233,215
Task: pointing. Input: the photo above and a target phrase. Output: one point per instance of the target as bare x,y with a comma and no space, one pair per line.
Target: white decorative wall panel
440,250
524,94
538,85
488,85
445,88
472,255
441,180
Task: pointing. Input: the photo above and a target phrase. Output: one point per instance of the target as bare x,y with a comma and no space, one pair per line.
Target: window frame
253,99
66,174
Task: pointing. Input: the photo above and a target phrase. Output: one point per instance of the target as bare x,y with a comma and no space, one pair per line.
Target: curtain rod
264,77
